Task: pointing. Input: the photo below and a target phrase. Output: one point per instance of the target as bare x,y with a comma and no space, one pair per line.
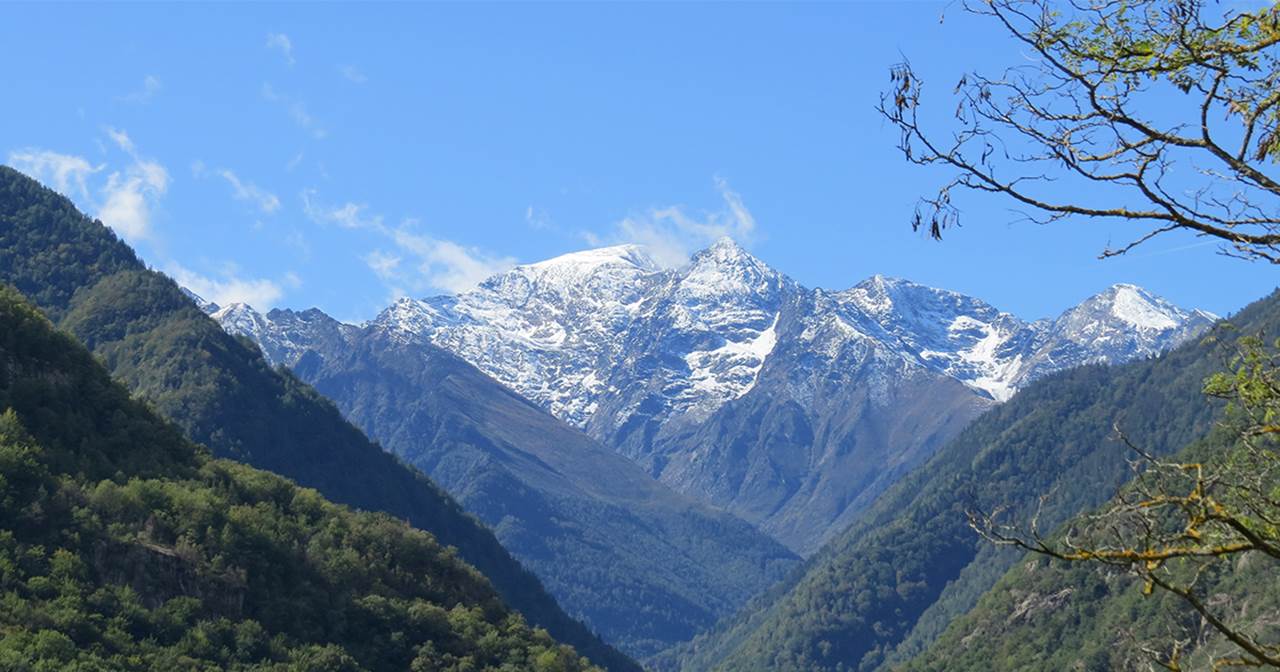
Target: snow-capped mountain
550,328
997,353
560,501
283,335
1124,322
604,337
661,364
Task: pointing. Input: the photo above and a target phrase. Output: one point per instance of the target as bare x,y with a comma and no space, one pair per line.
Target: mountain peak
1136,307
879,295
728,244
241,318
586,261
726,268
208,307
881,282
725,249
234,310
726,253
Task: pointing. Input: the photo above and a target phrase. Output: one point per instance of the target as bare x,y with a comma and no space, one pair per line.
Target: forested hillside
221,392
889,584
1049,614
125,547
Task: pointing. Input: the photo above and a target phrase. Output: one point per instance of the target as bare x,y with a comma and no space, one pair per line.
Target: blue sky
340,155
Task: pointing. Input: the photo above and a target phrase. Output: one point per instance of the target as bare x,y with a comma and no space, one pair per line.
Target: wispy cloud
130,195
446,265
348,215
67,174
538,219
241,190
352,74
671,233
297,110
126,199
150,87
228,286
419,262
281,43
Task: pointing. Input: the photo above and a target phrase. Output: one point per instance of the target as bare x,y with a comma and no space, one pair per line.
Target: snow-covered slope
548,330
1122,323
997,353
283,335
646,359
608,327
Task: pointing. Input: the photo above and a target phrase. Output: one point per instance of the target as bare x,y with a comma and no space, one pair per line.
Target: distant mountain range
644,565
790,407
644,439
899,585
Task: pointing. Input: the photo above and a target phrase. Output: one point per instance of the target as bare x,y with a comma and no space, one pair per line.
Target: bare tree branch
1086,130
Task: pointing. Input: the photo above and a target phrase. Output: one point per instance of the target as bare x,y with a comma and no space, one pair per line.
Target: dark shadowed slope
221,392
645,566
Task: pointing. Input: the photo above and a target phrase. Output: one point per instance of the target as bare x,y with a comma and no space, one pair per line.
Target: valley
640,337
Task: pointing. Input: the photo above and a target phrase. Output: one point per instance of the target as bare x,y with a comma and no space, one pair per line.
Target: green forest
221,392
125,547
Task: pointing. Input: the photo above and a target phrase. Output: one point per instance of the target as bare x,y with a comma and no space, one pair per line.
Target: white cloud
125,201
672,234
348,215
352,74
281,43
65,173
742,224
421,262
241,190
449,266
151,86
121,139
297,110
383,264
130,195
126,209
229,287
265,201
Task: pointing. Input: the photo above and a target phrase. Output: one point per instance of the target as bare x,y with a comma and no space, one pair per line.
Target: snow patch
732,370
1136,309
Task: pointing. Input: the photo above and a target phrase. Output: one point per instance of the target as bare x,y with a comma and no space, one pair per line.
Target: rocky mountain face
788,406
644,565
886,587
